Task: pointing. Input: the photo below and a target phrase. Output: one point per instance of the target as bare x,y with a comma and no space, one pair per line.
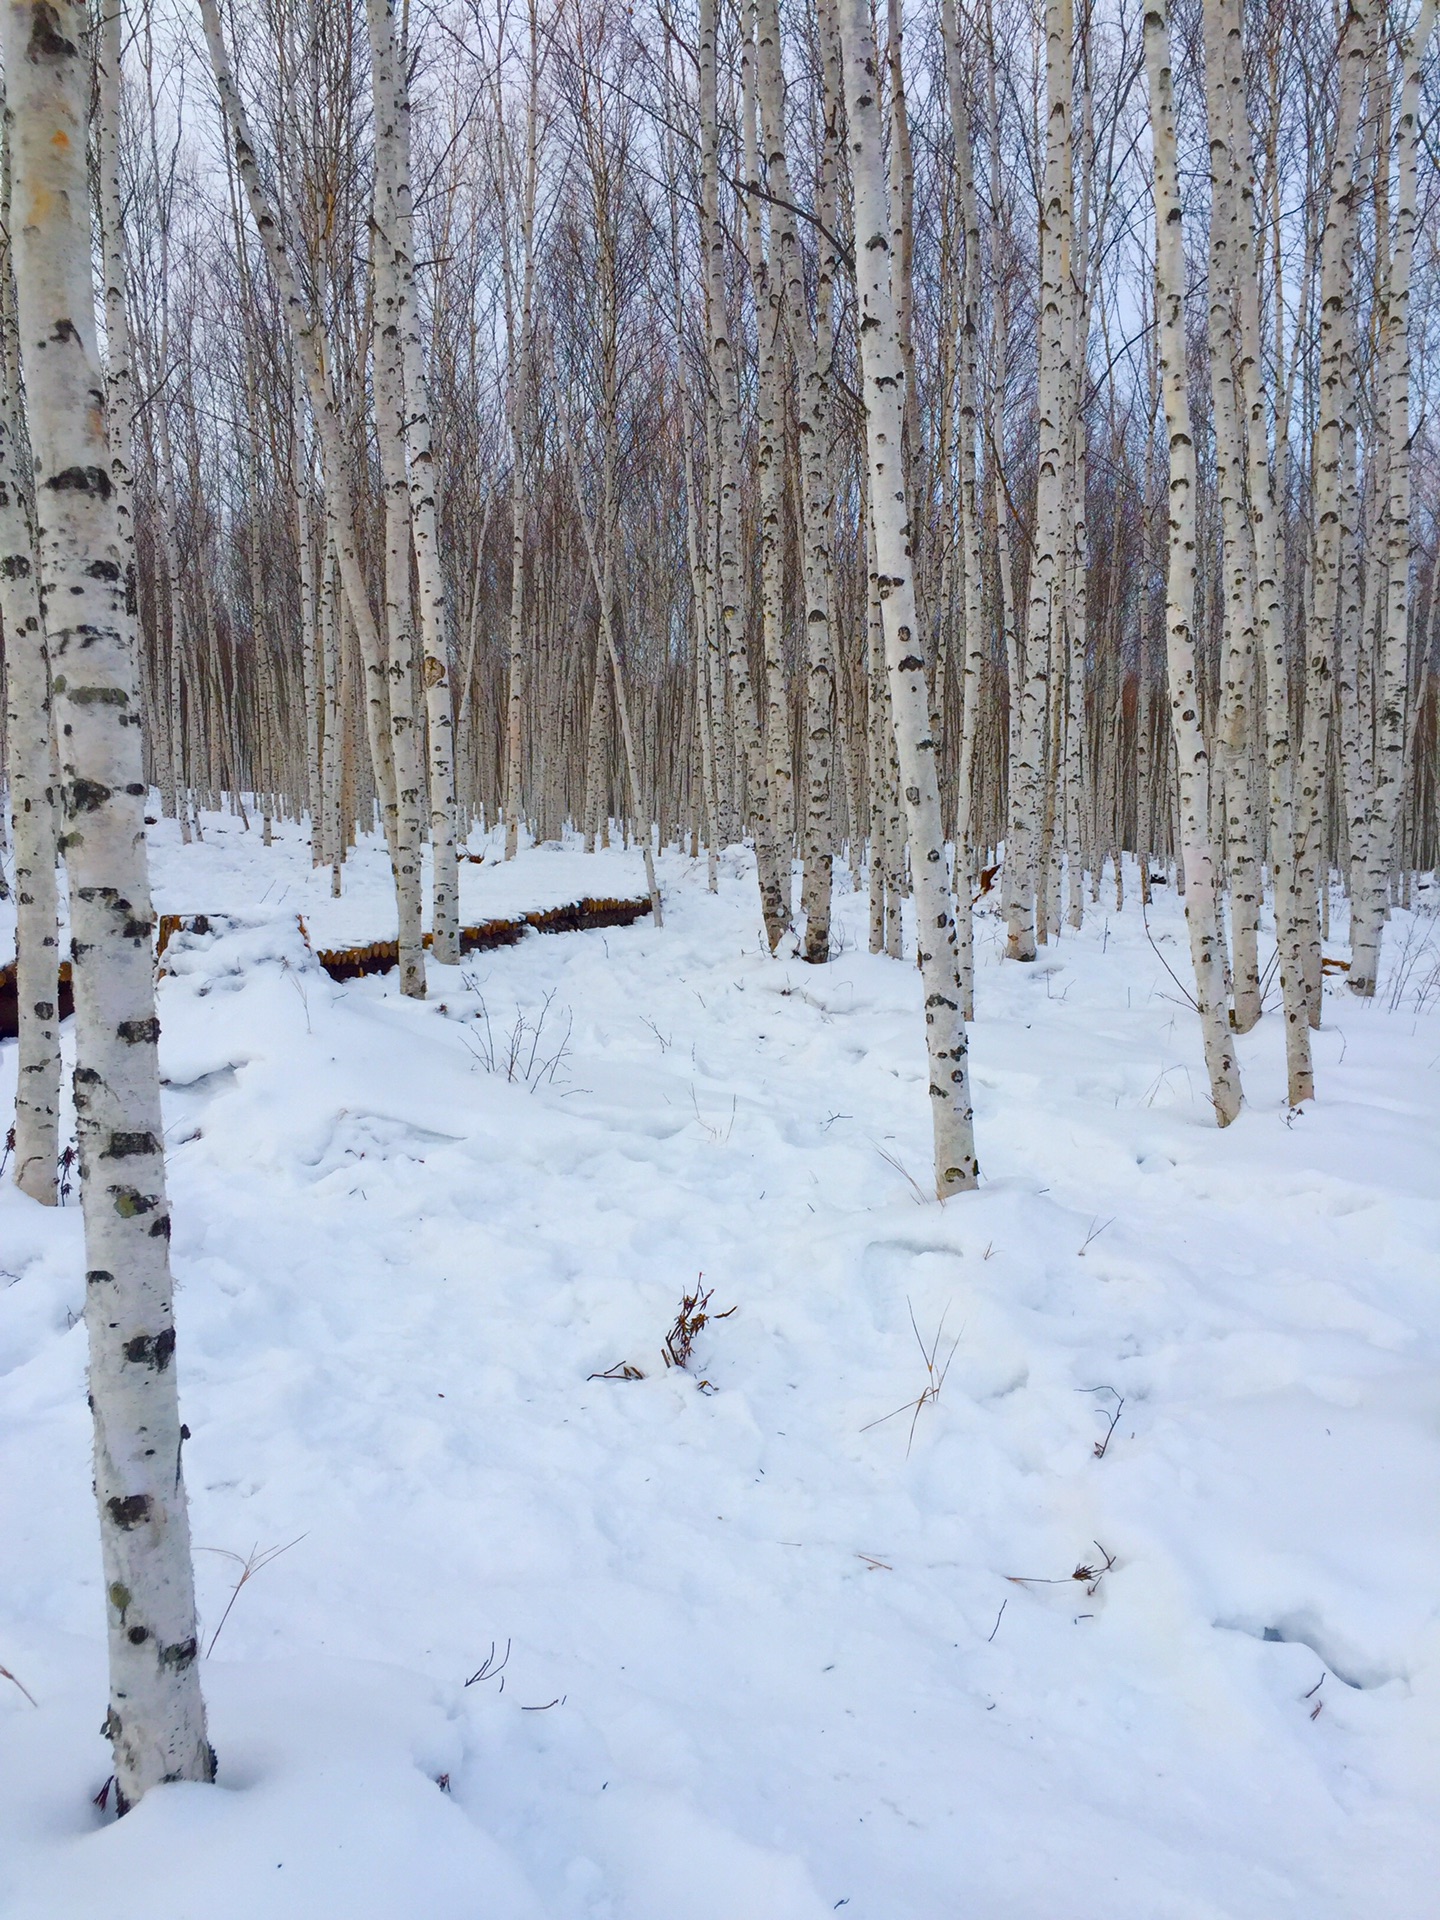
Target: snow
756,1652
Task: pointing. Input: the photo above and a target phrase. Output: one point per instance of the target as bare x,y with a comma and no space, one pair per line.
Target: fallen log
10,999
580,916
375,956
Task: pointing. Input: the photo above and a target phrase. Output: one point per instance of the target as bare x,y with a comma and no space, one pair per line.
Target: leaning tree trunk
156,1721
883,369
1197,853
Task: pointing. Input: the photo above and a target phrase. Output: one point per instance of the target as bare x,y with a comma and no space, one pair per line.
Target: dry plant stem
249,1564
934,1381
156,1721
6,1674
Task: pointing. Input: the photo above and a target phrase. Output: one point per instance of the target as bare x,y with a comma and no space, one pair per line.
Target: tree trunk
393,136
31,785
156,1721
774,901
339,496
1201,906
884,397
1367,907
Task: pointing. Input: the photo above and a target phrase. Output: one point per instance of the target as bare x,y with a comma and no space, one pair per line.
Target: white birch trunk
774,902
1268,583
970,510
884,395
1337,376
767,283
156,1721
393,133
29,754
1238,672
1027,776
811,351
388,373
521,327
1197,854
1367,907
339,496
119,369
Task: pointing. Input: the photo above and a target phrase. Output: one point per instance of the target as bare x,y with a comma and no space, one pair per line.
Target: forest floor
874,1608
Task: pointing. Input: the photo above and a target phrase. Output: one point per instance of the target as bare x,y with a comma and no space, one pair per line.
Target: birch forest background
722,768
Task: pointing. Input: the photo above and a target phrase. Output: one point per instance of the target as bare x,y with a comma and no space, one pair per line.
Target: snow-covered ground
742,1647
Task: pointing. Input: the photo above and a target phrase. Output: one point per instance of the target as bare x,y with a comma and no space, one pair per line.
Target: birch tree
1192,758
883,368
395,239
156,1721
32,796
774,892
392,749
1367,907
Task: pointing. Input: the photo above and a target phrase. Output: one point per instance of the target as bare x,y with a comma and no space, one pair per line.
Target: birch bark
1238,674
884,396
1027,777
520,320
30,781
811,352
1268,583
1367,909
393,131
389,385
156,1721
1337,374
1201,906
774,903
767,284
340,505
970,560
